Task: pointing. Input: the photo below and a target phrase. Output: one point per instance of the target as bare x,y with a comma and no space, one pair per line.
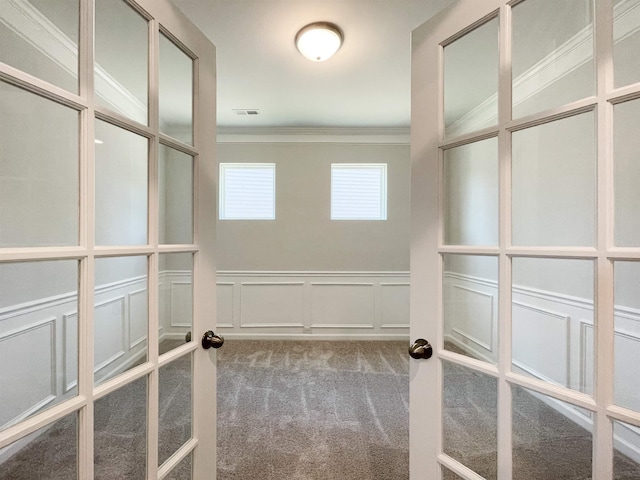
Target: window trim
382,168
222,188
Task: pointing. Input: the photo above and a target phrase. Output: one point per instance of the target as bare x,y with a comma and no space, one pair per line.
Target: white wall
303,237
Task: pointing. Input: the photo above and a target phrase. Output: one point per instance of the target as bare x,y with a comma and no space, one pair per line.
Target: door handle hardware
420,349
211,340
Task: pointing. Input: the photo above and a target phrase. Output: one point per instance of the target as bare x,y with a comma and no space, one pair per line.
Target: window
358,191
247,191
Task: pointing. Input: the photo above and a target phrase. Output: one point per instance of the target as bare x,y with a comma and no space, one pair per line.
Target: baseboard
316,336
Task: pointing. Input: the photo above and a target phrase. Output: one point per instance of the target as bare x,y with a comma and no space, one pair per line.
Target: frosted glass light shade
319,41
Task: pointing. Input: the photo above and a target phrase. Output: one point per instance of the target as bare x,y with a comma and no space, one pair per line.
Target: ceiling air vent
246,111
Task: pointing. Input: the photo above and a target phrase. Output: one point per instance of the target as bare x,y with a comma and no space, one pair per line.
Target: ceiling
366,84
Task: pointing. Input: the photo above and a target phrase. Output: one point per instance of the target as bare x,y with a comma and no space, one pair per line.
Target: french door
107,231
525,256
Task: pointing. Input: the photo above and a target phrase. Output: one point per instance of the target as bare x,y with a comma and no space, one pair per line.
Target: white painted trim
271,325
173,323
346,135
310,273
304,319
68,386
49,321
30,411
628,313
478,342
472,351
28,23
56,300
135,342
340,325
571,55
316,337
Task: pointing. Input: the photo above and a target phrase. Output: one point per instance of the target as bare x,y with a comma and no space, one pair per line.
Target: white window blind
247,191
358,191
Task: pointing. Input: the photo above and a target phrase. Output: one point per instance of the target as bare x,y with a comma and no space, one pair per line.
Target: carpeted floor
316,411
313,411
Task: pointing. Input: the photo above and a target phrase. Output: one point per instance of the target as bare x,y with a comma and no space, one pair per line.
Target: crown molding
569,56
353,135
33,27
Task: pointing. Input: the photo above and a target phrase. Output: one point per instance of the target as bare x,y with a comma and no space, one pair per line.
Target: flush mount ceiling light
319,41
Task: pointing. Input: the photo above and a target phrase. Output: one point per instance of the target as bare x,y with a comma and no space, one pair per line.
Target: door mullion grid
87,239
604,323
154,261
504,419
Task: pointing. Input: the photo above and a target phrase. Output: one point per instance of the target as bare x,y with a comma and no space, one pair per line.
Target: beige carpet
313,411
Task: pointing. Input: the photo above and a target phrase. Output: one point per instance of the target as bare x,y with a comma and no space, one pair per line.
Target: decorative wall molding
58,315
491,317
135,337
305,305
69,347
346,135
568,57
33,27
41,388
568,354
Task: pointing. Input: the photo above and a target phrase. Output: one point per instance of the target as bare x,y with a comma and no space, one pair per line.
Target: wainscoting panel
472,315
271,304
471,309
306,305
553,340
70,348
541,342
181,303
39,339
627,374
138,317
31,353
345,305
225,305
394,305
109,329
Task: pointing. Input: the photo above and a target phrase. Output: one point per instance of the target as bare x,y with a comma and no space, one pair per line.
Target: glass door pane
176,92
121,59
626,41
475,54
547,443
554,183
175,407
552,57
175,184
40,37
50,452
38,337
121,186
120,433
39,174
